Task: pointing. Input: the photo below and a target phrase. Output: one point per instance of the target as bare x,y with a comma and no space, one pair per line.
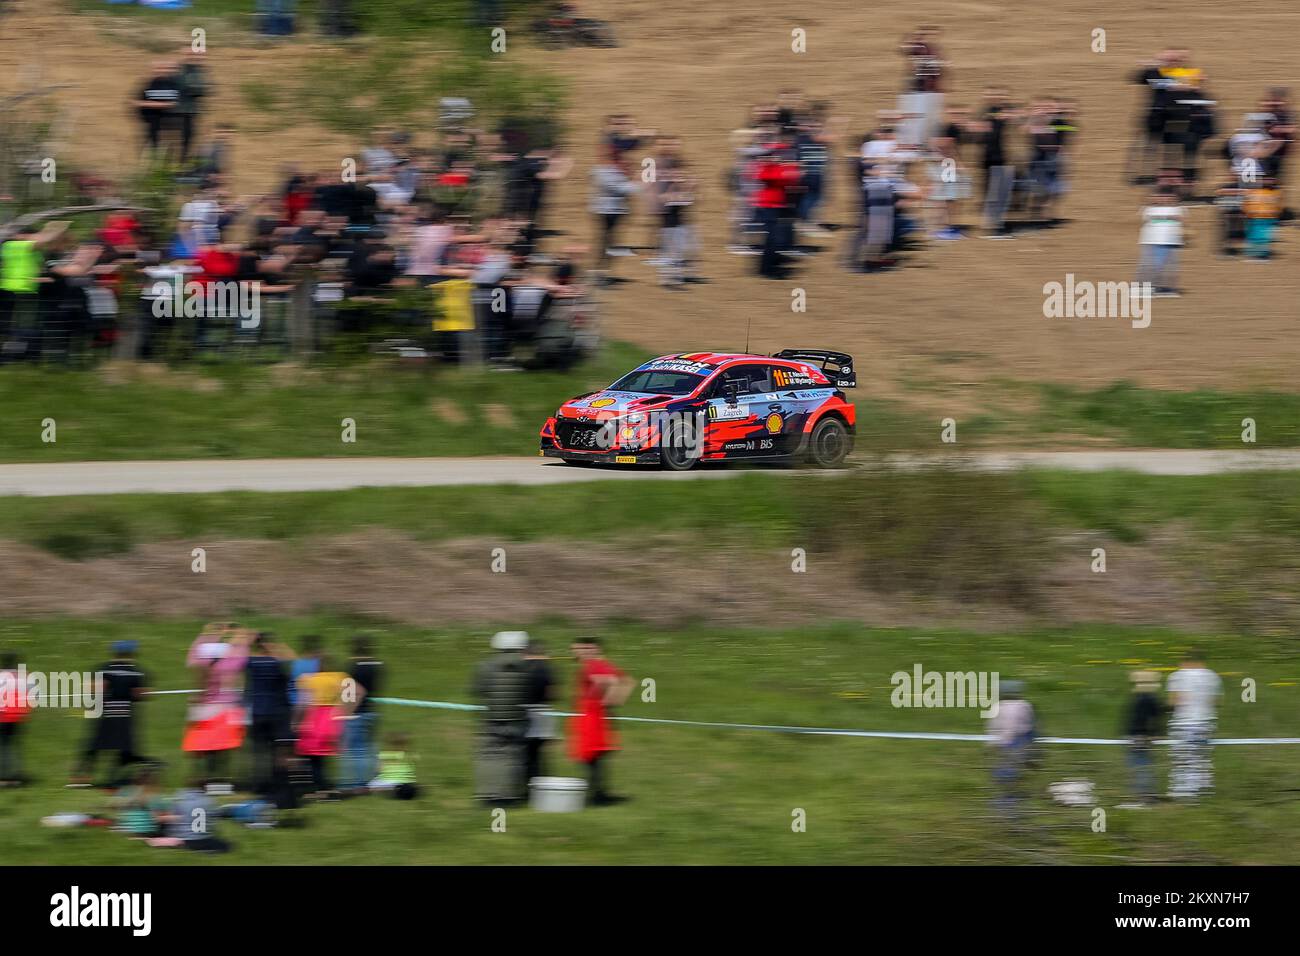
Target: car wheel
829,444
675,453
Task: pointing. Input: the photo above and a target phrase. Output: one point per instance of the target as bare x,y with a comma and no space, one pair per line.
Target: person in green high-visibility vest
21,266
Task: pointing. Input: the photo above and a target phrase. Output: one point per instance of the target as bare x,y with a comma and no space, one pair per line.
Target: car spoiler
838,366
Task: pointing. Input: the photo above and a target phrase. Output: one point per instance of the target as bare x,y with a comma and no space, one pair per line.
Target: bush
934,530
78,534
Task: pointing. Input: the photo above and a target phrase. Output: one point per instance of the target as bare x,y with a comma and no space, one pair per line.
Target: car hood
605,404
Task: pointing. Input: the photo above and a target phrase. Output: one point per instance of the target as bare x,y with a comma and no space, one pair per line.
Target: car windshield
657,382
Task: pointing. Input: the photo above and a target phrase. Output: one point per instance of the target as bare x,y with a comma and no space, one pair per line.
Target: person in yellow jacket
21,267
1262,206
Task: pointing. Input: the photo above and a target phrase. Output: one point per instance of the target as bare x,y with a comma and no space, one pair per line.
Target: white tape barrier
815,731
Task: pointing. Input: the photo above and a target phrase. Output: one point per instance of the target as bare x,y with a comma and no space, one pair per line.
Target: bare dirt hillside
418,582
961,320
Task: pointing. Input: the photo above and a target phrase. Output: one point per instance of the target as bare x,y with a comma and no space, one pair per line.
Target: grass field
726,796
761,507
225,409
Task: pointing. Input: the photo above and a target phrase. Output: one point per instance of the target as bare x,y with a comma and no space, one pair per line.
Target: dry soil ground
950,330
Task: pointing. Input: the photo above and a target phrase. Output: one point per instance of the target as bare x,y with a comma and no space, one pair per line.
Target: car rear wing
838,366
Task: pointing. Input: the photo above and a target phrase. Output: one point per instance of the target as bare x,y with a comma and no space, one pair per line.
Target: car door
746,417
800,398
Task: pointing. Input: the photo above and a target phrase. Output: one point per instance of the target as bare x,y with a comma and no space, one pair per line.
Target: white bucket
558,794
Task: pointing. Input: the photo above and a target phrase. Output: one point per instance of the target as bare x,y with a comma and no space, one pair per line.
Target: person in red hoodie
778,180
17,696
220,263
600,686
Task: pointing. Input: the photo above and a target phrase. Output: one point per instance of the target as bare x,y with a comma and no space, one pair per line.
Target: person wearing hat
119,686
1143,723
501,685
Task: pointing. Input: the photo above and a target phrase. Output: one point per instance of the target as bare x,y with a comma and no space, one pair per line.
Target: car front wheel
676,453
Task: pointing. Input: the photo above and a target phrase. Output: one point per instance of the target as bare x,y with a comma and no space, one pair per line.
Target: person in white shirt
1160,239
1014,733
1194,692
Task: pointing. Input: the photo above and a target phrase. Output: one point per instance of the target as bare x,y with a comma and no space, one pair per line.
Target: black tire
674,452
830,443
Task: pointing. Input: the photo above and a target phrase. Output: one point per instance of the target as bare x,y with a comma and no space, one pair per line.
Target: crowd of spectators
435,244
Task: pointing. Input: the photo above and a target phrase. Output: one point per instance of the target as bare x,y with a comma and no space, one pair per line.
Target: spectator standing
611,188
307,662
359,734
266,696
1143,724
120,685
501,685
191,87
1015,733
1194,691
921,105
999,170
157,102
600,687
539,697
1262,207
22,264
813,145
320,715
1160,239
216,724
778,184
19,693
677,245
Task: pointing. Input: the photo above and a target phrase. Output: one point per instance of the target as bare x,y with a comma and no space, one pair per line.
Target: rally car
677,410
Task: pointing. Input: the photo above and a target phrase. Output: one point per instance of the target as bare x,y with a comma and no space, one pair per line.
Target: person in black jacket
1143,723
121,684
539,695
266,694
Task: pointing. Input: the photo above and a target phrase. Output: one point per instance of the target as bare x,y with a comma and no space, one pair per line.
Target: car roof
719,359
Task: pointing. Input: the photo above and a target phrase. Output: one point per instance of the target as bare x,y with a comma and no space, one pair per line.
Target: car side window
752,379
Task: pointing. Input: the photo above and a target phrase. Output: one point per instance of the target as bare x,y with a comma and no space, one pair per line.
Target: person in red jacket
778,178
599,686
17,696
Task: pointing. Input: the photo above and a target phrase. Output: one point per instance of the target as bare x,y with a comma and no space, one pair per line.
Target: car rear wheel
675,452
829,444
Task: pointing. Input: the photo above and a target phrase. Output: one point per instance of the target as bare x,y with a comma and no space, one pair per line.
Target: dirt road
332,474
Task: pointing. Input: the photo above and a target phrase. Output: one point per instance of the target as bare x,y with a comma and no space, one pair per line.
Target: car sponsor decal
625,459
774,423
726,412
676,365
785,377
602,403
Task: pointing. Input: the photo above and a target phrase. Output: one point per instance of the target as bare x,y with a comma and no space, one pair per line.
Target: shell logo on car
601,403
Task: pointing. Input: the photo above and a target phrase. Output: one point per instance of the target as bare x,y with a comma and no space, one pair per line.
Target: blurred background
441,220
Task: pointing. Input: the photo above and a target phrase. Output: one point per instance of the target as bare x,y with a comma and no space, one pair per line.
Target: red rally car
677,410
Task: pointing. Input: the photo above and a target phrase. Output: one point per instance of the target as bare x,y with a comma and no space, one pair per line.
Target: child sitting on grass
396,769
